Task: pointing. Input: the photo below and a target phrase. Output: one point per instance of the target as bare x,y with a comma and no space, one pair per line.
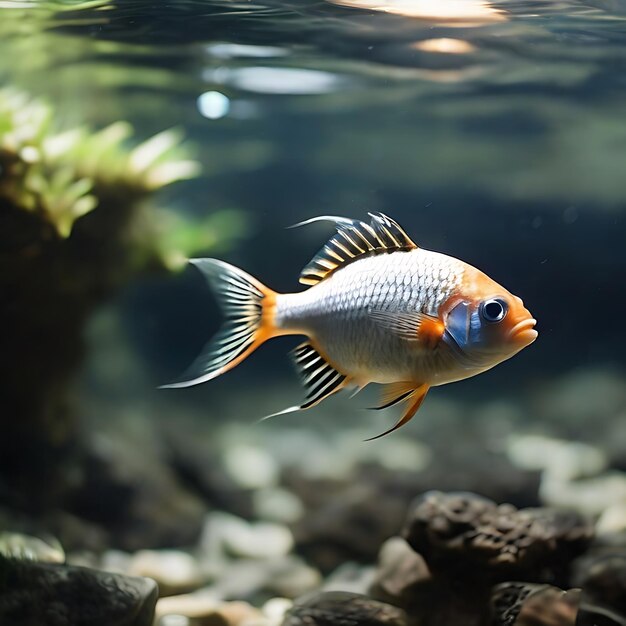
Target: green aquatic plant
76,224
61,176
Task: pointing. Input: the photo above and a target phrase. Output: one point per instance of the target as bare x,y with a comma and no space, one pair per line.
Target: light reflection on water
445,45
448,12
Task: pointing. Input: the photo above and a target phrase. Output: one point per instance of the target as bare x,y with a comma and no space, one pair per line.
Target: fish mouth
524,331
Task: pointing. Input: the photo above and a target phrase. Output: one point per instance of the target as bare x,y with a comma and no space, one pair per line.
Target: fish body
379,310
338,313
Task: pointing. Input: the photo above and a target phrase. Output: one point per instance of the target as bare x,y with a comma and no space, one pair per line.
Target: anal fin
392,393
414,399
319,377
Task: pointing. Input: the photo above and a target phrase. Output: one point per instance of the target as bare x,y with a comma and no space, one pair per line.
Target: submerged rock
334,608
401,574
347,520
466,532
34,594
524,604
137,498
404,580
603,580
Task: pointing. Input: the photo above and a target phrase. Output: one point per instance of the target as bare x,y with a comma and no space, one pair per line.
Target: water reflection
227,50
276,80
444,45
449,12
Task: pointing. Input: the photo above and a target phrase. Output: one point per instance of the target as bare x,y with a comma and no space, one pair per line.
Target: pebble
174,571
201,610
116,561
227,534
274,610
589,496
612,520
562,460
20,546
276,504
251,467
250,579
292,577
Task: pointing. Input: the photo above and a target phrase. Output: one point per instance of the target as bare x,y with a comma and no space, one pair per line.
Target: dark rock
347,522
602,578
592,615
401,574
348,519
404,580
465,532
202,472
33,594
524,604
136,497
340,608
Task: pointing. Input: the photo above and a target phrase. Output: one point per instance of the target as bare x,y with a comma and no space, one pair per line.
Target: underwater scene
456,170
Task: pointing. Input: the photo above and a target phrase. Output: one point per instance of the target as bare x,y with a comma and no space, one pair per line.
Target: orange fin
249,307
415,400
410,325
392,393
354,239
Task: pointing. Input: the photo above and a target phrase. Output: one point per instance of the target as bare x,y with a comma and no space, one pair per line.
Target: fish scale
336,311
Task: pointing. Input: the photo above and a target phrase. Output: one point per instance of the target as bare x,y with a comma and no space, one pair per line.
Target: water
494,132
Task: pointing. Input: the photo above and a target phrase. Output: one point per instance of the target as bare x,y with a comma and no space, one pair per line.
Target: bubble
213,105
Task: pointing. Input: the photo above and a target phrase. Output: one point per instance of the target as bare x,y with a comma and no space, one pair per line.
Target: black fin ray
354,239
241,298
319,377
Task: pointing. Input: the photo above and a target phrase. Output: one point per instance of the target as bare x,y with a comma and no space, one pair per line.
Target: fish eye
493,310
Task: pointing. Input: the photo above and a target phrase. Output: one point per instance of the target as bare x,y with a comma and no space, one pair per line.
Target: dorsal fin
354,240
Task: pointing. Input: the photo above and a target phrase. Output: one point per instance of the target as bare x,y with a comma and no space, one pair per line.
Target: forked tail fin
248,306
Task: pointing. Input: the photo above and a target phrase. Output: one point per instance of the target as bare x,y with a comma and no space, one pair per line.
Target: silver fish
379,309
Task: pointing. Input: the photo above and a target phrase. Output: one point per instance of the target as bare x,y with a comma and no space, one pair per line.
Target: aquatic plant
61,177
75,224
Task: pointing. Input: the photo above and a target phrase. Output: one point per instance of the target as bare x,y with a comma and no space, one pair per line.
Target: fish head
485,324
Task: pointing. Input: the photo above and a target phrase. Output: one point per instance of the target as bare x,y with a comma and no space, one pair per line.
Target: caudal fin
248,306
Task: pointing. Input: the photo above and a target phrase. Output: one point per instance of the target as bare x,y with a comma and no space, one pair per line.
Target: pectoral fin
410,325
414,401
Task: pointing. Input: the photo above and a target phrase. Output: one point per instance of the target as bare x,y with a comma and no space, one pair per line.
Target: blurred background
135,134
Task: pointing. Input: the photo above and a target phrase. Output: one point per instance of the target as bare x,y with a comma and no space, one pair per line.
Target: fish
378,309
